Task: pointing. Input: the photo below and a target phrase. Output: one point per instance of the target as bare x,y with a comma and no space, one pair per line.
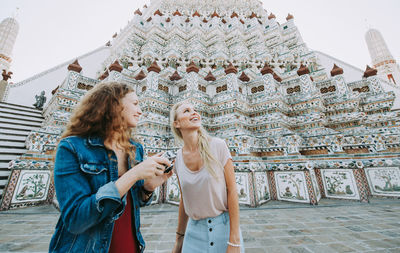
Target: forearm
125,182
233,209
182,219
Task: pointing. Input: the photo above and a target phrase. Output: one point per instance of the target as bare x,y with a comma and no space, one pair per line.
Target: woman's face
187,117
131,109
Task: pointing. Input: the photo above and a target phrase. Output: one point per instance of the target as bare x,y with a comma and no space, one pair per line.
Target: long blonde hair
99,114
203,141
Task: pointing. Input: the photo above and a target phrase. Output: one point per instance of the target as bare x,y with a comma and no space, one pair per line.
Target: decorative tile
292,186
340,184
384,181
32,186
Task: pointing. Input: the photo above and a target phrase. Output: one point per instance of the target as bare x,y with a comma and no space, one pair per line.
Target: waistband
222,218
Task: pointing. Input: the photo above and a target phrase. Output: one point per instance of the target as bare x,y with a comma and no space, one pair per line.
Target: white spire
8,33
381,57
377,47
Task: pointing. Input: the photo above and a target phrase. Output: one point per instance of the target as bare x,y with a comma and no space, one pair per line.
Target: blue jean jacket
84,176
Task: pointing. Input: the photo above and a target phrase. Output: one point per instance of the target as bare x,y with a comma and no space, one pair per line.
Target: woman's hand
150,184
151,167
178,244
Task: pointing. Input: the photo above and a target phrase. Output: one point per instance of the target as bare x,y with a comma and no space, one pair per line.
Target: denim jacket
84,176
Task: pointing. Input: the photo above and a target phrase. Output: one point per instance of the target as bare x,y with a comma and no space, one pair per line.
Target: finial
336,71
230,69
271,16
210,77
175,76
192,68
243,77
154,67
75,66
303,70
115,67
140,76
266,69
370,72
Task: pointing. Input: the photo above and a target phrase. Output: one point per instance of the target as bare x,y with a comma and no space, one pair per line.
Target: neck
111,142
190,140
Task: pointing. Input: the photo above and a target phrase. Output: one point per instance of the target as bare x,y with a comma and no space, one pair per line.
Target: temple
300,124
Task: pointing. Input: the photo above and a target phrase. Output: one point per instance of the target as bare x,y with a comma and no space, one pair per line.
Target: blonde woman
208,209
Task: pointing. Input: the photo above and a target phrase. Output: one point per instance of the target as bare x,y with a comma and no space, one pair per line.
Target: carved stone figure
40,100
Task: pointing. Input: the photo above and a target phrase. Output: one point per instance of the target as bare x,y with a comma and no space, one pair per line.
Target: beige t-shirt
203,195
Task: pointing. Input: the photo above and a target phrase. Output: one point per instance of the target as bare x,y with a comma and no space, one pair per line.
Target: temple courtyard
332,226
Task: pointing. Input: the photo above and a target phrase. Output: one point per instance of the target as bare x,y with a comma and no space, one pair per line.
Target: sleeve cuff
107,197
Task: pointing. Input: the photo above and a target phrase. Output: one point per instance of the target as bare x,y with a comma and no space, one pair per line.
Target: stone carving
40,100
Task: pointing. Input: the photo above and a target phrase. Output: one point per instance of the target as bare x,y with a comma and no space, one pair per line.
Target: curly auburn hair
99,114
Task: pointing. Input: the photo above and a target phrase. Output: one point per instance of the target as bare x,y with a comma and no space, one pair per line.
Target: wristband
146,191
180,234
234,245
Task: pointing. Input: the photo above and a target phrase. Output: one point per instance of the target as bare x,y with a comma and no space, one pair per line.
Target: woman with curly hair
208,218
100,177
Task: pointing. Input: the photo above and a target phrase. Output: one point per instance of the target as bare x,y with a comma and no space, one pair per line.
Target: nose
139,111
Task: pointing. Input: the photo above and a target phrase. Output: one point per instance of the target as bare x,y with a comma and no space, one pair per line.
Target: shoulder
136,144
72,141
217,141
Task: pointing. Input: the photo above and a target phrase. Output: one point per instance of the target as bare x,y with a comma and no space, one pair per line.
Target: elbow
74,228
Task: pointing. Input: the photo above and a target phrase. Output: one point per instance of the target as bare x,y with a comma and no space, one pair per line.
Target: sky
52,32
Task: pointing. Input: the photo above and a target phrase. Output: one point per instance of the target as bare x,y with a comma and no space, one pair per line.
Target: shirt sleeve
223,151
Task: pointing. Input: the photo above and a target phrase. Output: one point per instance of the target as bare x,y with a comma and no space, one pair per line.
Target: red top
123,239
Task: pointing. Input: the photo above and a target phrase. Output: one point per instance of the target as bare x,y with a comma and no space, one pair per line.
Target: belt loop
226,217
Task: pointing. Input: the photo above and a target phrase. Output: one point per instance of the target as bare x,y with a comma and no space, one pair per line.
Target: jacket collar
96,141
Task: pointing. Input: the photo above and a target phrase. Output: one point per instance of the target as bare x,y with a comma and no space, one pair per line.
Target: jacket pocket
93,168
96,174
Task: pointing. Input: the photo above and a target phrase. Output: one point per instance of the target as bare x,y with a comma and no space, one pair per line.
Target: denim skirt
208,235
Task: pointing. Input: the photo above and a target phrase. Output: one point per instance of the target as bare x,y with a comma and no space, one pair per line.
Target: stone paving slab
332,226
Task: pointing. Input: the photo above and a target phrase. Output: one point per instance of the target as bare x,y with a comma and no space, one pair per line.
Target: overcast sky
52,32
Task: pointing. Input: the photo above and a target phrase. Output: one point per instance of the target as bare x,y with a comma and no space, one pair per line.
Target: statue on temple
40,100
6,75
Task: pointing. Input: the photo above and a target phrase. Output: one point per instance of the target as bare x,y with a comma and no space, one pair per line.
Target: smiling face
130,109
187,118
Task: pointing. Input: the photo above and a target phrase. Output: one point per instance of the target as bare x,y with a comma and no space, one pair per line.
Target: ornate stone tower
381,57
296,131
8,33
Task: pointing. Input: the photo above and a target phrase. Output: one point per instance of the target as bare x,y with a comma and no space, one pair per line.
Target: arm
233,204
182,223
81,208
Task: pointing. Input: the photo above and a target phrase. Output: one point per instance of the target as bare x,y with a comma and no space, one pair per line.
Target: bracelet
234,245
146,192
180,234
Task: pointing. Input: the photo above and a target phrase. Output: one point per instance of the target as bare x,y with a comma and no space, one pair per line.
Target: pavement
332,226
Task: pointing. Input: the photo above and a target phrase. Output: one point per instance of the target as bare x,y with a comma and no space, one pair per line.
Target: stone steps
15,132
8,150
30,118
16,122
12,144
12,138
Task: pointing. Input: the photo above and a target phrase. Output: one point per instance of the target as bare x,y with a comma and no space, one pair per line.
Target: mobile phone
170,155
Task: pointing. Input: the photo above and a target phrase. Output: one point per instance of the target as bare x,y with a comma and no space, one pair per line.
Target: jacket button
210,229
209,221
211,243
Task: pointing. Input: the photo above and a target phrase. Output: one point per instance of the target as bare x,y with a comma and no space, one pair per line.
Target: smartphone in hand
170,155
